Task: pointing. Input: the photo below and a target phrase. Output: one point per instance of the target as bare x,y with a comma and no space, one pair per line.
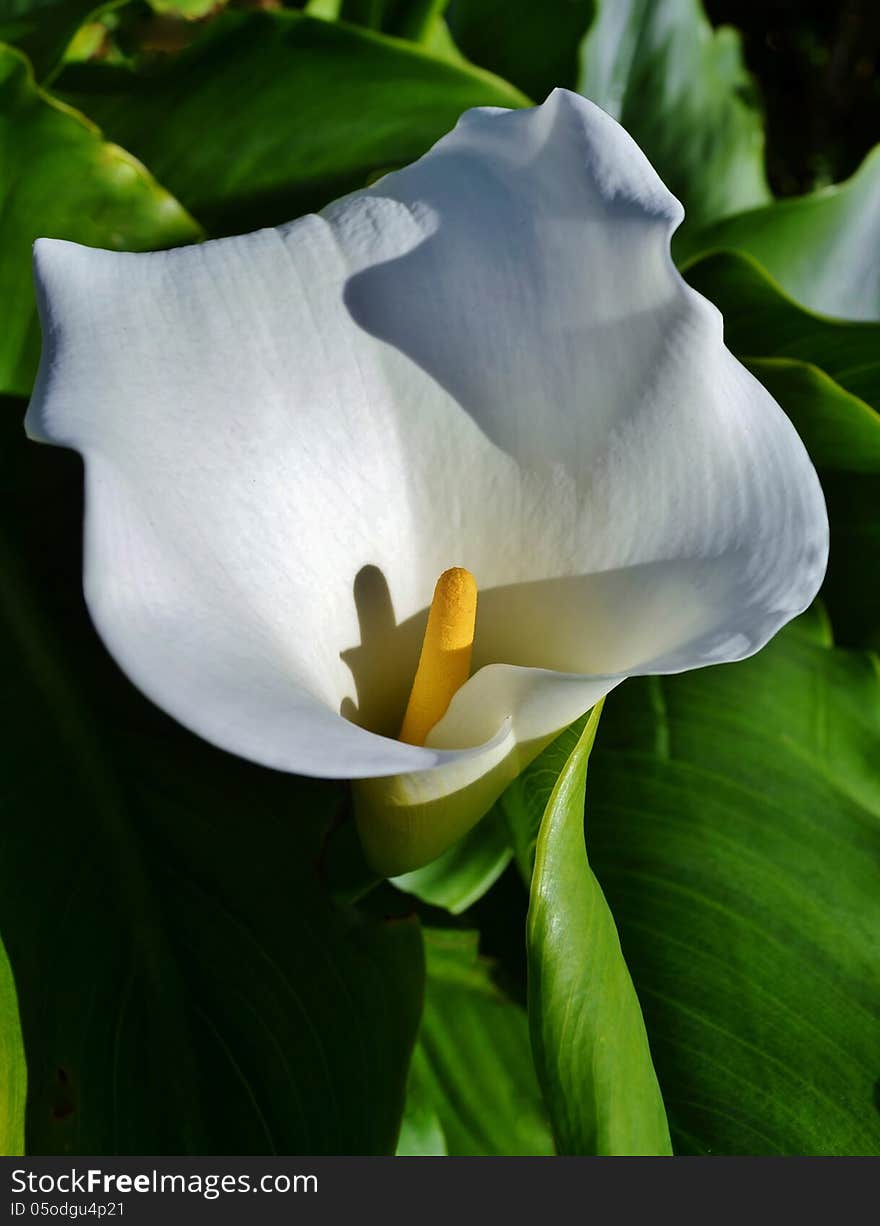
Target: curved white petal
486,359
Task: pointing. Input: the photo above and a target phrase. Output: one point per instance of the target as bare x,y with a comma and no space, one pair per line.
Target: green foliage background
198,961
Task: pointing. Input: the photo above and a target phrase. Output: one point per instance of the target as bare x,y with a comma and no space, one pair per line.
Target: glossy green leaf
762,320
472,1086
328,10
44,28
681,89
13,1071
90,40
588,1036
841,431
842,434
413,19
421,1132
734,826
826,375
62,180
823,248
439,41
185,983
189,10
533,45
524,801
336,104
362,12
851,590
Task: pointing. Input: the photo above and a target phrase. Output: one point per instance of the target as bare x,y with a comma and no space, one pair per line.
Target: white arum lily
486,360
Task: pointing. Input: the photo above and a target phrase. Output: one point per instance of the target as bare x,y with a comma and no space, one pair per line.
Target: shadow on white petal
546,367
383,664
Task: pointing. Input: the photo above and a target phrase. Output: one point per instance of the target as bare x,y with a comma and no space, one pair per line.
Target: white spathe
487,359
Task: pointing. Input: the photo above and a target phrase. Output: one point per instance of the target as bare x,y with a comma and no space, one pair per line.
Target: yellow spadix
445,662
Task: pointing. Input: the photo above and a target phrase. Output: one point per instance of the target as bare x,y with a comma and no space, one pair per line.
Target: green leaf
61,180
472,1085
826,375
328,10
681,89
464,873
185,983
842,435
823,248
44,28
734,827
335,105
413,19
533,45
13,1071
523,803
842,432
362,12
438,40
761,320
421,1132
850,590
189,10
591,1049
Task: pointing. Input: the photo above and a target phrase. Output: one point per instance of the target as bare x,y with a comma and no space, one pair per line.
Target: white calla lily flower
485,360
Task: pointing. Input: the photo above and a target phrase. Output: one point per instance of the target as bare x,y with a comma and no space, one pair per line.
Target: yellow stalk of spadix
445,661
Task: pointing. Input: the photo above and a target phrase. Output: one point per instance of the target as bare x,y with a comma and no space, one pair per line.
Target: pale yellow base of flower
406,821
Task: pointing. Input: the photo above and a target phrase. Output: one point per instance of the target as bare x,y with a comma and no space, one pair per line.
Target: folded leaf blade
588,1036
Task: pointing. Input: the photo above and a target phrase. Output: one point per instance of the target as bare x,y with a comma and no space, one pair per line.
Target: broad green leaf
438,40
185,983
588,1037
335,105
823,248
87,42
412,19
472,1086
863,382
762,320
524,801
464,873
44,28
681,89
421,1133
851,590
841,431
362,12
734,826
62,180
189,10
533,45
826,375
328,10
13,1072
842,434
